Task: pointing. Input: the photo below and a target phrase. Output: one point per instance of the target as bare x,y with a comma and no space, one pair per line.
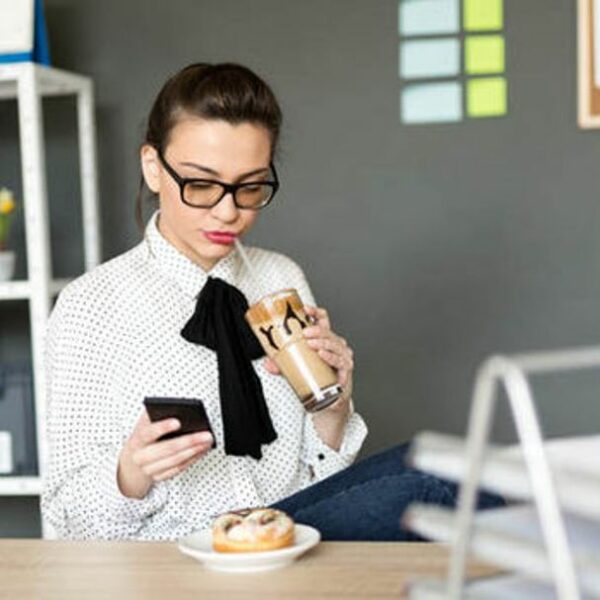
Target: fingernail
174,424
202,437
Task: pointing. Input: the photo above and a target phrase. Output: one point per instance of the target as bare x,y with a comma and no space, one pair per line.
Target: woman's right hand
144,460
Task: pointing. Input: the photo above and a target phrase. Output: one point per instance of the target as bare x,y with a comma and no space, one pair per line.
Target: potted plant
7,257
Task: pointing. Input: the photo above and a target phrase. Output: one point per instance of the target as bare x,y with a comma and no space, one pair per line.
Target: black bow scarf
218,323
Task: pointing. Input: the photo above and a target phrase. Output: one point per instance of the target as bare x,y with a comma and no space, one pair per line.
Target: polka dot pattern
113,339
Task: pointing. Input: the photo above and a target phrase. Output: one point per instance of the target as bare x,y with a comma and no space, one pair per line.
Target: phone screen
189,411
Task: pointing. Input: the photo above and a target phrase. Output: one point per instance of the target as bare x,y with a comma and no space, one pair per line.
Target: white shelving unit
548,544
29,83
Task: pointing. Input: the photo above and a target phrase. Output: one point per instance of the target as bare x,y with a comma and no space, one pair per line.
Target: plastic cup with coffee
277,320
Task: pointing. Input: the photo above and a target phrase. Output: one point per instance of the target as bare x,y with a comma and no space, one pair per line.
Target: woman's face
207,149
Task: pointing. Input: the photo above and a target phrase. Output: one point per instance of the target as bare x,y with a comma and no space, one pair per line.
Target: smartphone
189,411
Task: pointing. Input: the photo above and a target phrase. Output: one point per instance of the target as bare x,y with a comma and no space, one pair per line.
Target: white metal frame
28,83
512,372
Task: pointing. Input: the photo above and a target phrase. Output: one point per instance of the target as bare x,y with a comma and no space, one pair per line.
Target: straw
248,264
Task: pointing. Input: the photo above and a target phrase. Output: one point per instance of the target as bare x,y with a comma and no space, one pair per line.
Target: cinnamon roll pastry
252,530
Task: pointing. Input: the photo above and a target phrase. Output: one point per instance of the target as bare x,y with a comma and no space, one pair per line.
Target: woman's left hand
332,348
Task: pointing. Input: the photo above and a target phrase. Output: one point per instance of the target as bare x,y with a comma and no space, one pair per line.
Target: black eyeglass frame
228,188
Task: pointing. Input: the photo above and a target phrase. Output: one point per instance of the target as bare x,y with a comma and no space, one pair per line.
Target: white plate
199,546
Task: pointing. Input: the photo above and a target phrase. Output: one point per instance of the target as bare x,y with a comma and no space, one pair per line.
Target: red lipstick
221,237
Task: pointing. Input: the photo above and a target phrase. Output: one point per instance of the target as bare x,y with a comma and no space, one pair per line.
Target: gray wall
431,246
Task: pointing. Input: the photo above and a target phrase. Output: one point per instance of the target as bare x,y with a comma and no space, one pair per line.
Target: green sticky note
486,97
484,54
483,15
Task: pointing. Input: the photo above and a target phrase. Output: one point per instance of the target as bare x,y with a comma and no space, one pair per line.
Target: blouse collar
189,276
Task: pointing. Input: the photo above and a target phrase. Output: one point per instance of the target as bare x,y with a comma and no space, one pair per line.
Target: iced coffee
277,321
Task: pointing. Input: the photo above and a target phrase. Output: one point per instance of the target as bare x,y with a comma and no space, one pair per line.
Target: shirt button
321,457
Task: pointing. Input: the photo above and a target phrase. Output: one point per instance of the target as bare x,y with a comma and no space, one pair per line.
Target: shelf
21,290
52,82
576,472
14,290
511,538
20,486
29,83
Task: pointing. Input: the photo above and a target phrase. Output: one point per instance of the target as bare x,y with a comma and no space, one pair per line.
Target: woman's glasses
206,193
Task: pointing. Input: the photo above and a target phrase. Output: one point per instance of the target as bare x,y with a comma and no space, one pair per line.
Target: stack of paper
511,537
575,465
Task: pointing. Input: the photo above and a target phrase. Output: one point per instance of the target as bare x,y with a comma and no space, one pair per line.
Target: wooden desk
60,570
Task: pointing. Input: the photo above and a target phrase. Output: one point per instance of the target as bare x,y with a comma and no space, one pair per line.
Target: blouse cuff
326,461
129,509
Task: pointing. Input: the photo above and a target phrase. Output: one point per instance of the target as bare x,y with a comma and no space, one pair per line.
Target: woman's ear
150,167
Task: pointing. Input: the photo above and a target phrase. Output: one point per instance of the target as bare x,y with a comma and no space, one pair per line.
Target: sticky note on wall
431,103
429,58
427,17
486,97
484,54
483,15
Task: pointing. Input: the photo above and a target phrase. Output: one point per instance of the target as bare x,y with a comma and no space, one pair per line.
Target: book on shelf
23,35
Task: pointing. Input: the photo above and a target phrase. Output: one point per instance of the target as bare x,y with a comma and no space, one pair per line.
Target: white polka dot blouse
113,339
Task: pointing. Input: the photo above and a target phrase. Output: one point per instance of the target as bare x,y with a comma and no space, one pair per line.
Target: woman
115,338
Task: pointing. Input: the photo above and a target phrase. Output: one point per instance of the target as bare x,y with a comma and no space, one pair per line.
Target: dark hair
226,91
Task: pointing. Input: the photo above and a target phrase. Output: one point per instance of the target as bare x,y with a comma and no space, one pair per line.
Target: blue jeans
366,501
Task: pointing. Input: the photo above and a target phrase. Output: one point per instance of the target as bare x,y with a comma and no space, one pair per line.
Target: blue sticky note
431,103
426,17
429,58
